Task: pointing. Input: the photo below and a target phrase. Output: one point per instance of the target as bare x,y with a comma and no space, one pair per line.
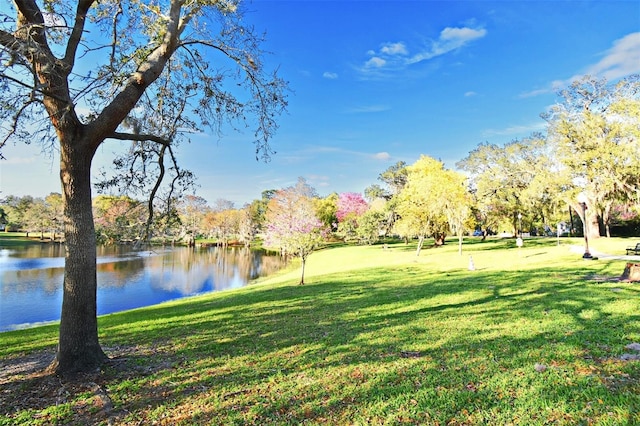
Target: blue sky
376,82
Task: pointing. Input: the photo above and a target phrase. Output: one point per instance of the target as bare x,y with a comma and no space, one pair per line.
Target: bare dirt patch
27,386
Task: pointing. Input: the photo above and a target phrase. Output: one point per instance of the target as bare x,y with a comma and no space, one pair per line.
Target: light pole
519,241
582,199
520,224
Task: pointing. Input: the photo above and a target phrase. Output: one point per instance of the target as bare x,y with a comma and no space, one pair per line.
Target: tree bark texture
590,220
78,345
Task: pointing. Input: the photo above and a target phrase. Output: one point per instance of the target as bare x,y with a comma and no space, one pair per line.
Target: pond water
31,278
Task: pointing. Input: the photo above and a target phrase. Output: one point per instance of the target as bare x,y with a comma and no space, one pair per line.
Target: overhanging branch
139,138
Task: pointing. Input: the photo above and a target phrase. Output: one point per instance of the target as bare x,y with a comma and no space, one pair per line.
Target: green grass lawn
11,239
532,336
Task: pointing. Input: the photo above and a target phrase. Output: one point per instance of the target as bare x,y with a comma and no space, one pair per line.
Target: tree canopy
595,132
74,74
521,177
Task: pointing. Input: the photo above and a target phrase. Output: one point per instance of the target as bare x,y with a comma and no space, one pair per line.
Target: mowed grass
532,336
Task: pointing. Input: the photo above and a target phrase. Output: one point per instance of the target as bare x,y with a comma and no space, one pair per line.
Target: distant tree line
591,150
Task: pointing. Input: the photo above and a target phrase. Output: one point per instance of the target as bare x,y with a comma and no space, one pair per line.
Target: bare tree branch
76,33
139,137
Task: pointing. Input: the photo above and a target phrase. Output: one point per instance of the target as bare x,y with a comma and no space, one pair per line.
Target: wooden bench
634,250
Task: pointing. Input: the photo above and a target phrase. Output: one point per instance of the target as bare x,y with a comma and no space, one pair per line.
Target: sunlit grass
379,336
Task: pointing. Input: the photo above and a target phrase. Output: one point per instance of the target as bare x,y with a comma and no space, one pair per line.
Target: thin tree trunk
606,219
420,242
571,223
304,262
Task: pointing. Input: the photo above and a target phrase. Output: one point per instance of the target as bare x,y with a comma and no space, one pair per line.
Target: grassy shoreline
377,336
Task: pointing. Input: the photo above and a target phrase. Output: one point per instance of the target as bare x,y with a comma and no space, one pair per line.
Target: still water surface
31,278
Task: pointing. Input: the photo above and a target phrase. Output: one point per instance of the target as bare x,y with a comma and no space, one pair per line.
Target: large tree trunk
78,346
593,226
589,218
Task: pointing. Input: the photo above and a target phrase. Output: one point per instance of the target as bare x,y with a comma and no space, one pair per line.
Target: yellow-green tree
433,202
326,209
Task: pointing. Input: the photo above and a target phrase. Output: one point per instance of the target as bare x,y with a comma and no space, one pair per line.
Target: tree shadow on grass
397,342
332,325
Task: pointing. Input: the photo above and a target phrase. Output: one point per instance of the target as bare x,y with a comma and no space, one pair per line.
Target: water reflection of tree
190,271
48,280
119,274
183,270
267,265
39,251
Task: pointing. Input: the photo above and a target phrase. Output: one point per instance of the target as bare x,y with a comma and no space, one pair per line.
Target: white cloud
536,92
394,56
318,180
517,130
450,39
382,156
394,49
330,75
54,20
621,60
470,94
20,160
375,62
313,152
460,36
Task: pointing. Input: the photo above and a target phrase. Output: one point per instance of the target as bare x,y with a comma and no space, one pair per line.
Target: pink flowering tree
350,207
349,204
292,225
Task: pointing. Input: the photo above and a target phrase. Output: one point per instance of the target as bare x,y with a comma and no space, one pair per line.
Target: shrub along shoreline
533,335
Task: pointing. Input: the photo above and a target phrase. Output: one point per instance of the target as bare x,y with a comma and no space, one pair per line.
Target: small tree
326,210
394,179
369,226
15,209
247,227
192,210
292,224
37,217
350,207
